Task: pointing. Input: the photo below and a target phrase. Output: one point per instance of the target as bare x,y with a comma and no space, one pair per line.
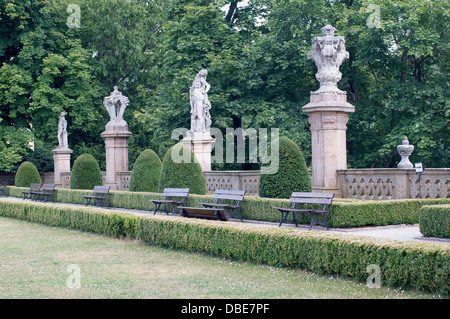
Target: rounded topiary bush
145,173
85,173
179,170
26,175
292,174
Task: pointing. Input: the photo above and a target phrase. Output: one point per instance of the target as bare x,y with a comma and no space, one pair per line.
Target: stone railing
233,180
394,183
124,180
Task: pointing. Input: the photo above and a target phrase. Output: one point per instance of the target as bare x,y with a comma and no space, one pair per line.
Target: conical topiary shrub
180,171
145,173
292,174
26,175
85,173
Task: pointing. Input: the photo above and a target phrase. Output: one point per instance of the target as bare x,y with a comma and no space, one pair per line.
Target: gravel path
397,232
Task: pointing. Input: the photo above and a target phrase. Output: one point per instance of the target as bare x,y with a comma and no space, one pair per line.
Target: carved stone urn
405,150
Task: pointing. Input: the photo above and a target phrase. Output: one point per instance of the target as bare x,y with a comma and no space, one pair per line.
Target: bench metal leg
284,216
315,222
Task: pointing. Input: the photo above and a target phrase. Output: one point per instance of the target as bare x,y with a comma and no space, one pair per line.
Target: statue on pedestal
116,104
200,104
62,131
328,52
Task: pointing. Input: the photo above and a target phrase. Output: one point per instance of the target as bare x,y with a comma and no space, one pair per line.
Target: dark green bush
292,174
85,173
27,174
434,220
145,173
402,264
181,173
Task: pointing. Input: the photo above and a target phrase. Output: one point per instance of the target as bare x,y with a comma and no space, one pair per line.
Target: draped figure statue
200,104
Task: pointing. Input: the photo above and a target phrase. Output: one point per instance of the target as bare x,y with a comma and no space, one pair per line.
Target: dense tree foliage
255,51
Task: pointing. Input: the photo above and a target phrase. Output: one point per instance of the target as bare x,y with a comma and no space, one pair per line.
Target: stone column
116,137
116,144
201,146
328,113
61,160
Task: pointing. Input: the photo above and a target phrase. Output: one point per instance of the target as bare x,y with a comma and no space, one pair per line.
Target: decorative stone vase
405,150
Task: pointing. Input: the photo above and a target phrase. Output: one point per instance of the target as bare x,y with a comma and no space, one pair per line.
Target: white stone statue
116,99
62,131
200,105
328,52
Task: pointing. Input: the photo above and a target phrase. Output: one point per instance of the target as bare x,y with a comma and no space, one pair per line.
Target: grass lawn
34,261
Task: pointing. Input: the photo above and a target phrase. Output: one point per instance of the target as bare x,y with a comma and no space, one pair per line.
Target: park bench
313,200
173,196
100,196
33,188
221,195
3,190
45,193
203,213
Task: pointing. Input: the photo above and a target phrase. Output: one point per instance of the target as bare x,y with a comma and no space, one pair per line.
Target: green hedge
26,175
435,221
423,266
292,174
342,213
145,174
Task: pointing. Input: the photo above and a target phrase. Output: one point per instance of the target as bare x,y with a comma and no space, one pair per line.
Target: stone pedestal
201,146
116,137
61,160
328,116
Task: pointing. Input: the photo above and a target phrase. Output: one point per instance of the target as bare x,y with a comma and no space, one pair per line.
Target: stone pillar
61,160
201,146
116,137
328,113
328,140
116,144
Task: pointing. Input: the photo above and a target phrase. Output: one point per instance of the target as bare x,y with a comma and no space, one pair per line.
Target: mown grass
34,261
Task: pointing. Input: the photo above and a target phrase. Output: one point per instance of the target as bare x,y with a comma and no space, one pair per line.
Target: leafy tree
14,144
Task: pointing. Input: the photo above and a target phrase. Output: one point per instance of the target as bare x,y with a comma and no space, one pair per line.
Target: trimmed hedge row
435,221
423,266
342,213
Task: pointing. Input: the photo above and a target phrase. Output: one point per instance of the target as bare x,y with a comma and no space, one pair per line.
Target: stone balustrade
393,183
372,184
233,180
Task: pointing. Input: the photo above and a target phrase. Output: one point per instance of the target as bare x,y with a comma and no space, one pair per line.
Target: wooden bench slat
312,195
229,197
175,194
230,192
177,190
322,201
